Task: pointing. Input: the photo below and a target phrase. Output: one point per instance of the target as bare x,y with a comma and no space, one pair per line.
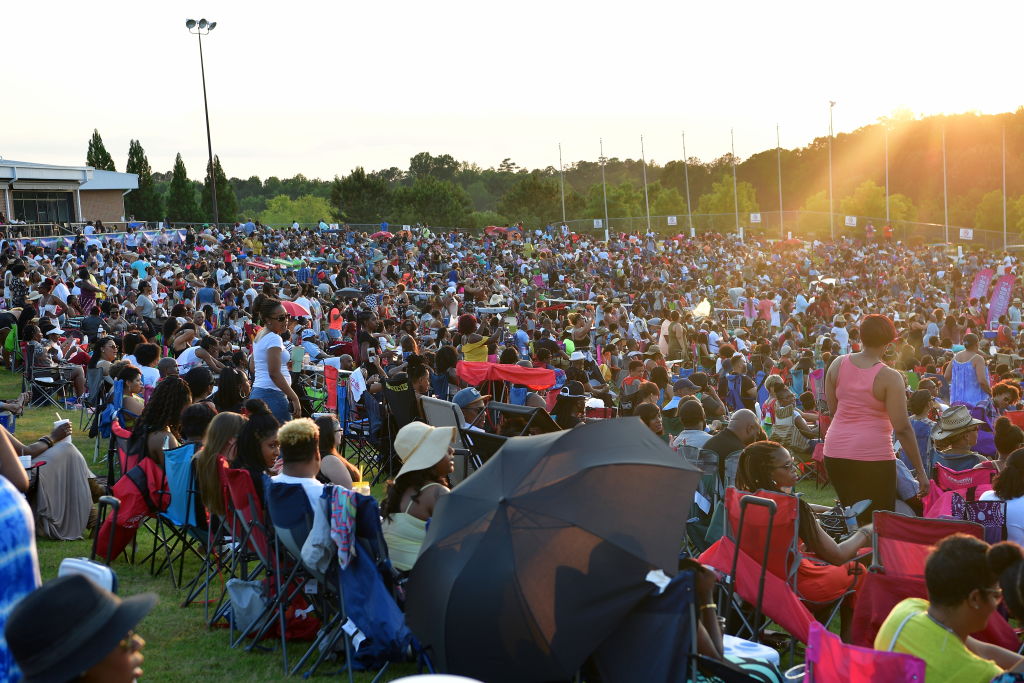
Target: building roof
87,177
111,180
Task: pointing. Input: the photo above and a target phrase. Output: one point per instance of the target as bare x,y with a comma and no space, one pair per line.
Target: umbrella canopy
350,292
532,562
295,310
383,234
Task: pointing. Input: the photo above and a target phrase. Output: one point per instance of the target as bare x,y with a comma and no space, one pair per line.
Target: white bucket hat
421,446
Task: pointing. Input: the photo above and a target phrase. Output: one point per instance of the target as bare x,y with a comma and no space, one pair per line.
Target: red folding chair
1016,417
760,553
331,388
830,660
968,484
901,546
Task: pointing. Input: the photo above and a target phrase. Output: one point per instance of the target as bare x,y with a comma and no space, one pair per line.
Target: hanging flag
980,285
1000,301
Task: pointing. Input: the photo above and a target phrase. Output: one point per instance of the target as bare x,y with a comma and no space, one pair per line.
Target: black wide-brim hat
69,625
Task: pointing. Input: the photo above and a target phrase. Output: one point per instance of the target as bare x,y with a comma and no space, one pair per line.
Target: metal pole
831,216
945,195
561,175
604,189
647,203
887,173
1004,188
209,143
686,176
778,157
735,191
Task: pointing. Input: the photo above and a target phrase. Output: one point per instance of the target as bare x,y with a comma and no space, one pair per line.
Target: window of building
43,207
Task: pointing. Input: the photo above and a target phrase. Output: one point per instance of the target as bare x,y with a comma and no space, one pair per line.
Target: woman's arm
979,371
274,370
825,547
206,357
335,470
896,406
10,467
831,380
1011,661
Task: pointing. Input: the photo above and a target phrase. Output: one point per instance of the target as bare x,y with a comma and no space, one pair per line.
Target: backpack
734,397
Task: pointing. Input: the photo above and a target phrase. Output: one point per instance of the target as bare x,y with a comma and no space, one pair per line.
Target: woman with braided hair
161,418
769,466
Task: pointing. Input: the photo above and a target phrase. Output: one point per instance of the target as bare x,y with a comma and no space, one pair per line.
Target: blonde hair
222,429
300,440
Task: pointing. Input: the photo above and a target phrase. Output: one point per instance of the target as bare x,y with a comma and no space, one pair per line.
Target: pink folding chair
331,386
830,660
969,484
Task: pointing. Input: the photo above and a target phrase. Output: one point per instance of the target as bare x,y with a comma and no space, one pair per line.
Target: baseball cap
684,385
307,333
469,396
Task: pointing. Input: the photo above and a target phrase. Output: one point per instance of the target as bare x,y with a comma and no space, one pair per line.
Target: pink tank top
860,429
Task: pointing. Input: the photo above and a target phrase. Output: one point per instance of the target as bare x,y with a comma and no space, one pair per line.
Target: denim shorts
276,401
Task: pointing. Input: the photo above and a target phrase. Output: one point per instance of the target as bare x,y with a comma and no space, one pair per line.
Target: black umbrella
532,561
350,293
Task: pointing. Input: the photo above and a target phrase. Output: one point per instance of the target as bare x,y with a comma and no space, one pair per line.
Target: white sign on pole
741,233
851,221
672,220
598,224
966,233
693,233
789,235
406,227
755,218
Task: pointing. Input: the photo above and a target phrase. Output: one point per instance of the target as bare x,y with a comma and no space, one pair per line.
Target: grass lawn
180,646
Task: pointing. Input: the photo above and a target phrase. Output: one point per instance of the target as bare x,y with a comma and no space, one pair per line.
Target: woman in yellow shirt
474,346
962,575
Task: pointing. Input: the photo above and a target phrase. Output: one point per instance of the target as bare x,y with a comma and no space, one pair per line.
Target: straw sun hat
953,421
421,446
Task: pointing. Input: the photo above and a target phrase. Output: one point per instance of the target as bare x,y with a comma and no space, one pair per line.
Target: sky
322,87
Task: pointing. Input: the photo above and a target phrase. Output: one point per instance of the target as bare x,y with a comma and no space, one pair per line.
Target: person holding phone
270,364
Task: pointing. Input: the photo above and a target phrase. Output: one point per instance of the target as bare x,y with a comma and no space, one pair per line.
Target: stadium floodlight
213,25
203,23
190,23
199,29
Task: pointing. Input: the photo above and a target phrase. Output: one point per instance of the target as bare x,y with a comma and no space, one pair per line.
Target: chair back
122,437
245,508
901,544
951,480
763,534
401,401
439,385
991,514
291,514
331,386
94,386
440,413
178,469
1016,417
829,659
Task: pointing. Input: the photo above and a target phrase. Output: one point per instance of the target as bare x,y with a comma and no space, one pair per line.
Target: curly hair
756,464
163,410
414,480
468,324
1008,387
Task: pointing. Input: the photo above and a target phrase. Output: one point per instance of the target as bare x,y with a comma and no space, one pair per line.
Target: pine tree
97,156
227,202
181,197
144,203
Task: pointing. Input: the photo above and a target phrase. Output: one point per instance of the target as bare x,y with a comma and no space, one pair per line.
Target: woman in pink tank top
868,402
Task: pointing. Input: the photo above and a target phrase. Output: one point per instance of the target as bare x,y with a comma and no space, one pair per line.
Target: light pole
199,29
604,189
831,217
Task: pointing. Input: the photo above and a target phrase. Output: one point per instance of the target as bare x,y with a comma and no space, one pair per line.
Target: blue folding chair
181,528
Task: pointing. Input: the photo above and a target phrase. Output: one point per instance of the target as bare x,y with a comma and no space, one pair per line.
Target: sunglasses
279,318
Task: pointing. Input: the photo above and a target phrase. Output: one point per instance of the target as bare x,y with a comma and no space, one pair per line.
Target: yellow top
475,352
404,535
946,657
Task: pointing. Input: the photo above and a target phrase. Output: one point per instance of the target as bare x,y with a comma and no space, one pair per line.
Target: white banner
672,220
755,218
966,233
598,224
851,221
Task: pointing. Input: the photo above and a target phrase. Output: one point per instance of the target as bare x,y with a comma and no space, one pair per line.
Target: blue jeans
276,401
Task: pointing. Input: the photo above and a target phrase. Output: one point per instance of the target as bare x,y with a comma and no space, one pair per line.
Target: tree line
443,191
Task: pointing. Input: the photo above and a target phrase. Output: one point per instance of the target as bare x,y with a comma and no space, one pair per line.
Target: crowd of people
885,358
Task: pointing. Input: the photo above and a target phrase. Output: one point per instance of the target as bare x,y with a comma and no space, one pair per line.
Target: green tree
478,220
227,203
360,197
721,202
145,202
668,202
442,167
868,201
181,196
625,200
814,216
431,201
97,155
282,210
533,200
989,214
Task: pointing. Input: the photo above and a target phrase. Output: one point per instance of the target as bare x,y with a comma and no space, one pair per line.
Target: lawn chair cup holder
770,506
